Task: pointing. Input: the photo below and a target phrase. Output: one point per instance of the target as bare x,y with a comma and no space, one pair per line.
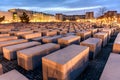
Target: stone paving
92,72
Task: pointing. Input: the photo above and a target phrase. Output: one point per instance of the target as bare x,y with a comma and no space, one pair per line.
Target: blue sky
61,6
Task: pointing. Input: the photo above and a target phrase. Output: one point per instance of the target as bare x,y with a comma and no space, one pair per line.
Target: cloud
54,6
71,1
61,8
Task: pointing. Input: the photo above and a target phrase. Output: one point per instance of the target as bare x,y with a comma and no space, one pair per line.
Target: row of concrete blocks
84,34
38,28
14,74
67,40
112,70
33,60
30,60
71,38
23,61
62,41
69,62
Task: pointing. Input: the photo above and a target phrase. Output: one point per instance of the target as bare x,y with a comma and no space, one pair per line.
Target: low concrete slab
84,34
93,31
4,35
11,42
53,39
94,44
9,52
109,31
50,33
31,35
7,38
65,64
112,68
103,36
1,69
65,41
31,58
116,45
39,38
13,75
19,33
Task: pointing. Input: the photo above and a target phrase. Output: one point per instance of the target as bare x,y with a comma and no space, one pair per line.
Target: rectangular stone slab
53,39
13,75
22,32
109,31
103,36
31,58
5,30
1,69
7,38
3,35
84,34
39,38
112,68
12,32
116,45
69,40
93,31
9,52
31,35
65,64
62,32
52,33
94,44
11,42
69,34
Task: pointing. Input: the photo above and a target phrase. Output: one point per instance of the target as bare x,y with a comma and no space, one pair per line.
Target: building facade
13,15
7,15
110,17
59,17
89,15
62,17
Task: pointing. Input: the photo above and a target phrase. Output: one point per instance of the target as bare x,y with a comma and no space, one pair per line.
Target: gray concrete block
65,64
9,52
31,58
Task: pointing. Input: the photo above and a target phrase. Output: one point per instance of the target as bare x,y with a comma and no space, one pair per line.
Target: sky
61,6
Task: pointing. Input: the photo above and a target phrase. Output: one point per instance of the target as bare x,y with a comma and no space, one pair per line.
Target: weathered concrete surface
65,64
94,44
11,42
13,75
30,58
9,52
116,45
7,38
65,41
103,36
112,69
1,69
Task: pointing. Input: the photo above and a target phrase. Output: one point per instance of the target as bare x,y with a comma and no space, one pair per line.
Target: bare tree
24,18
101,11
